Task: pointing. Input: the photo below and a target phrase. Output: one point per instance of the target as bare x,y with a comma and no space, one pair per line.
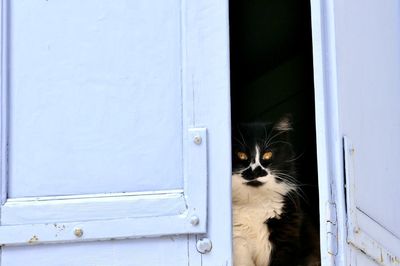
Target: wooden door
368,82
115,126
356,69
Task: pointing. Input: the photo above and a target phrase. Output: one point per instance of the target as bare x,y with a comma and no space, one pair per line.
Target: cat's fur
269,226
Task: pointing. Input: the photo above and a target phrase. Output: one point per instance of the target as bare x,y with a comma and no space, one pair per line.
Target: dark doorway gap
272,74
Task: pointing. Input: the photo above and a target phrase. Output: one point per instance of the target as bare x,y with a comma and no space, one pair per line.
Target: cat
269,225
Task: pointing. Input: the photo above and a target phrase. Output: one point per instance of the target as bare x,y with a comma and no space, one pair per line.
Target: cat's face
262,156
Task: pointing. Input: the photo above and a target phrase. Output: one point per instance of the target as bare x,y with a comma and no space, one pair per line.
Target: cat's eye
242,156
267,155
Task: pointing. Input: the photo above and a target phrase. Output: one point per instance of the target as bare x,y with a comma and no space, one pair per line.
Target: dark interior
272,75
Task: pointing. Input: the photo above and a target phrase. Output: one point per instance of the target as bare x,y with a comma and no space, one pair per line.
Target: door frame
333,233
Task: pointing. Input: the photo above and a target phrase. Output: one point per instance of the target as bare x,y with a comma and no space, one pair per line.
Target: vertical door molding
4,100
329,150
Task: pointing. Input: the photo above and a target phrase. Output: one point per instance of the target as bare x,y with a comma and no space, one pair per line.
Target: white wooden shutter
105,117
368,67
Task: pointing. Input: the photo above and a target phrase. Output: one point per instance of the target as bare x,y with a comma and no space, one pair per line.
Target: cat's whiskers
294,159
279,141
241,143
244,142
292,182
289,177
268,140
293,200
266,135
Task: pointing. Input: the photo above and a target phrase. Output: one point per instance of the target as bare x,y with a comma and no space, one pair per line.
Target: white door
115,127
368,81
356,47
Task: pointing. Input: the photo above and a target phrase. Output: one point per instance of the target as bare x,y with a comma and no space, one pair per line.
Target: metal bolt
78,232
204,245
197,140
194,220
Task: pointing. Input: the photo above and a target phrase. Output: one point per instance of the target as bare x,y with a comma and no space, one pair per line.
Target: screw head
204,245
197,140
194,220
78,232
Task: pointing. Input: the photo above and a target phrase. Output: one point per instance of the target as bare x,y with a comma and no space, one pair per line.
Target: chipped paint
33,240
393,259
357,236
59,227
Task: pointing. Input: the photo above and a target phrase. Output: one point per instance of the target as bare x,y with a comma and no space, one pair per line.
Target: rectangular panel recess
90,85
114,216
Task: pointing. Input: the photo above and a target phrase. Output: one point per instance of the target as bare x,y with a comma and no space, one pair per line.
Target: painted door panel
368,67
114,125
116,253
96,125
79,93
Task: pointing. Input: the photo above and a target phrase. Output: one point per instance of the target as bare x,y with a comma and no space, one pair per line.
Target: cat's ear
284,123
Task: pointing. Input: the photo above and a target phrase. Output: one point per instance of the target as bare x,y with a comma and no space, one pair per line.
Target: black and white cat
269,226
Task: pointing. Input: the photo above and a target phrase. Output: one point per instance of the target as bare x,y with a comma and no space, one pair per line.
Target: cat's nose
259,172
253,174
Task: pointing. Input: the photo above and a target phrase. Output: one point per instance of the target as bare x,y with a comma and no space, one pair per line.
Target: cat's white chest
251,236
251,208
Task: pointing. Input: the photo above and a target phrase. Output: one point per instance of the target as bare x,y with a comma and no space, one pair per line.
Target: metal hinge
332,229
